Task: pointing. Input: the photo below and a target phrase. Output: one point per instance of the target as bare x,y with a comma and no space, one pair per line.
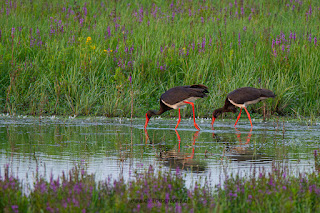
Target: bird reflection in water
175,158
242,151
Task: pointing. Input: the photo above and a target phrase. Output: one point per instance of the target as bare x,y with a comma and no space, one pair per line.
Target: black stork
242,97
178,97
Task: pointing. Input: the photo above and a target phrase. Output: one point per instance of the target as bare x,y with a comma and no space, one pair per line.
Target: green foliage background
76,57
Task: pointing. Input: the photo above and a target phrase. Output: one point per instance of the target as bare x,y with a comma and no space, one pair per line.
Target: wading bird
242,97
178,97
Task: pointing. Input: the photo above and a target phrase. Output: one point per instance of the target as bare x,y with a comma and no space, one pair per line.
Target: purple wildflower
150,204
239,40
273,43
15,208
85,11
310,38
203,43
109,31
12,31
315,41
141,14
245,28
178,208
81,21
310,10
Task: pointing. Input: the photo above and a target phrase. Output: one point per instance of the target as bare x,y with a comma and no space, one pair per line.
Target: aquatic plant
275,190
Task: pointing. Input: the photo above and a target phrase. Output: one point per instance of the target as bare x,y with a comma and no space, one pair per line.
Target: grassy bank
150,191
99,57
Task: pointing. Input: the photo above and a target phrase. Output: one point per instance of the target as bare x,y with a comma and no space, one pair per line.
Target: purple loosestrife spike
203,43
242,11
15,208
109,31
310,10
273,43
310,38
190,14
315,41
85,11
239,40
81,21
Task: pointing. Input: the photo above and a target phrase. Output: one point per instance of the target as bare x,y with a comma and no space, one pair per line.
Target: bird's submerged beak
147,121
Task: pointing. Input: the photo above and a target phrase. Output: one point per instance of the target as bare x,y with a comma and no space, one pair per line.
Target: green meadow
115,58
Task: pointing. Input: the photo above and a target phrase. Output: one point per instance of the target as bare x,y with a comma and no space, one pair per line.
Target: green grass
49,66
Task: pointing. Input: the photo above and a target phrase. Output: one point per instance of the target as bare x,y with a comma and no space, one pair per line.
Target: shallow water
113,146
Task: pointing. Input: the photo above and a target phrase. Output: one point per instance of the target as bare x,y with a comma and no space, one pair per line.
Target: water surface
121,146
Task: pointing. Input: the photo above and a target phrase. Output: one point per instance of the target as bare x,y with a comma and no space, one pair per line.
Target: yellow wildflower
88,39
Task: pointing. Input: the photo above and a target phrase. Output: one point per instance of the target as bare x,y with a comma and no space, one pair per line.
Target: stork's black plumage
242,97
178,97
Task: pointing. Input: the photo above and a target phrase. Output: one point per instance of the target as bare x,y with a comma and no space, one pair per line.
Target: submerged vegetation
100,57
151,191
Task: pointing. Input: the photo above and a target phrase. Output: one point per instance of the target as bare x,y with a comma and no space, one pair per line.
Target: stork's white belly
181,104
247,103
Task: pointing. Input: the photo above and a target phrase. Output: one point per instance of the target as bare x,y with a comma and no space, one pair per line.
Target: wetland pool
110,147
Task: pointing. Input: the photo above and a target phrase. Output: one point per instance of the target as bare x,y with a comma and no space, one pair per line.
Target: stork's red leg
194,118
238,117
146,134
213,120
179,139
147,121
249,116
178,120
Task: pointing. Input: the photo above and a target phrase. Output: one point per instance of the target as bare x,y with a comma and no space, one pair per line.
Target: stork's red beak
213,120
147,121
